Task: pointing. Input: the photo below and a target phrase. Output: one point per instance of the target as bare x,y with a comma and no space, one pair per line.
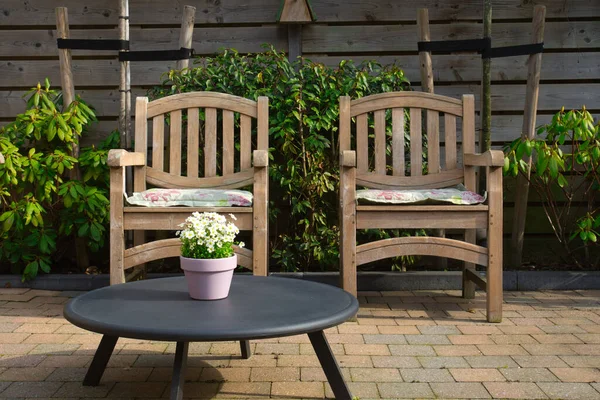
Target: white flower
207,230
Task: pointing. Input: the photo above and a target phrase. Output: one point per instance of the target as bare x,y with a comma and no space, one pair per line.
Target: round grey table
257,308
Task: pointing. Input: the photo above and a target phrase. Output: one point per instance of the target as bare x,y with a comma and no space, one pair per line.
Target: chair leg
117,233
468,288
348,230
494,269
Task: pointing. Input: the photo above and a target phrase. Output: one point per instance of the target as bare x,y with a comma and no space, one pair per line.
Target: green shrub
565,173
42,210
304,102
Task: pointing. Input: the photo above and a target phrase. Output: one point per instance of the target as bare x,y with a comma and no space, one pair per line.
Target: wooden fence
384,30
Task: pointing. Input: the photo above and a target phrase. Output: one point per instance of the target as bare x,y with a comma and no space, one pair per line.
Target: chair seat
457,195
191,198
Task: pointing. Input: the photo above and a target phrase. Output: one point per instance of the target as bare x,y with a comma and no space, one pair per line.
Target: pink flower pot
208,279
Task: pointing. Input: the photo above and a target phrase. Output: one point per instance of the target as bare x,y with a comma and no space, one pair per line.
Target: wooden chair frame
354,171
251,172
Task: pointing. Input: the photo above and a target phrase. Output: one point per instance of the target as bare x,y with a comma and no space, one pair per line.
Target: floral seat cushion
458,195
191,198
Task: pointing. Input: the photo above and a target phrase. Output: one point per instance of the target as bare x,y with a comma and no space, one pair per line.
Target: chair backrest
405,111
211,124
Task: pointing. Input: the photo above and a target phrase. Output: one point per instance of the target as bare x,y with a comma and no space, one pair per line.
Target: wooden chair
179,108
355,171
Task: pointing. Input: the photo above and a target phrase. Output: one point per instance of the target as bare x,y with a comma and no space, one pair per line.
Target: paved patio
421,344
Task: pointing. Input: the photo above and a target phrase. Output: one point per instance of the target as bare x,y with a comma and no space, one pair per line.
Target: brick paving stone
18,348
395,362
411,350
67,374
30,374
31,389
520,330
215,361
240,374
4,385
13,338
512,339
426,375
514,390
470,339
501,349
557,329
136,374
398,330
287,360
375,375
362,390
539,361
257,360
144,348
479,330
586,349
443,362
314,374
297,389
368,349
575,374
427,339
353,328
137,389
9,361
270,348
203,390
457,350
165,374
566,391
40,338
438,330
590,328
415,321
588,337
336,348
491,362
582,361
275,374
531,321
354,361
549,349
405,391
528,375
384,339
7,327
557,338
570,321
476,374
448,390
54,349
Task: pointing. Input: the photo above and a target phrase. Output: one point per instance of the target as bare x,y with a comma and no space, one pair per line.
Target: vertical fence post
528,132
186,33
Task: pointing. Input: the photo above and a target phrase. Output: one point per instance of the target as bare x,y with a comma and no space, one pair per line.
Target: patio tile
448,390
395,362
479,330
548,349
586,349
54,349
19,348
512,339
165,374
427,339
136,389
67,374
362,390
354,361
268,348
557,329
375,375
354,328
438,330
411,350
528,375
491,362
426,375
287,360
443,362
582,361
576,374
514,390
457,350
476,374
384,339
257,360
501,349
30,374
521,330
368,349
32,389
405,391
204,390
539,361
566,391
13,338
398,330
275,374
297,389
588,337
470,339
557,338
41,338
138,374
7,327
21,360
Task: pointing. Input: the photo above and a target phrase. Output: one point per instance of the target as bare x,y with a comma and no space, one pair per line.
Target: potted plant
207,256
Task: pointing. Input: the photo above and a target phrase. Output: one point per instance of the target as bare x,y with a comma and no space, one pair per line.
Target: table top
256,308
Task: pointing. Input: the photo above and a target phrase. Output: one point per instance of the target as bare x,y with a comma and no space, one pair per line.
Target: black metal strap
93,44
510,51
450,46
157,55
482,46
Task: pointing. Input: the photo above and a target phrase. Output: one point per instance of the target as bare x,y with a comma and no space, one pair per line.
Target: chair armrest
491,158
260,158
123,158
348,158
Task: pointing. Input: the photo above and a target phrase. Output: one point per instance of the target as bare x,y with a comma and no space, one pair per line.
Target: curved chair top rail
202,100
406,99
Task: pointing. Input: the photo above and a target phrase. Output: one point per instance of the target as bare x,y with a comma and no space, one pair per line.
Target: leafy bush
304,103
565,174
41,209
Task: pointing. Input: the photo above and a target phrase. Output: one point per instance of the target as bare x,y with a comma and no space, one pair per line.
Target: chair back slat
398,141
416,151
380,142
141,142
245,142
433,142
228,149
158,142
175,143
210,142
468,132
450,141
362,143
193,140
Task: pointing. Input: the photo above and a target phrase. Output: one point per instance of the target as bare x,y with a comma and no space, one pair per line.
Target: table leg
98,365
179,367
245,347
329,365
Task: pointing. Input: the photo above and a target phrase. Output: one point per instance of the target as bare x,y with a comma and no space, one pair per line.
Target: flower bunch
207,235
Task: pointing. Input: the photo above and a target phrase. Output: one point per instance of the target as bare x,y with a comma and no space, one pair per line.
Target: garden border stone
367,281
